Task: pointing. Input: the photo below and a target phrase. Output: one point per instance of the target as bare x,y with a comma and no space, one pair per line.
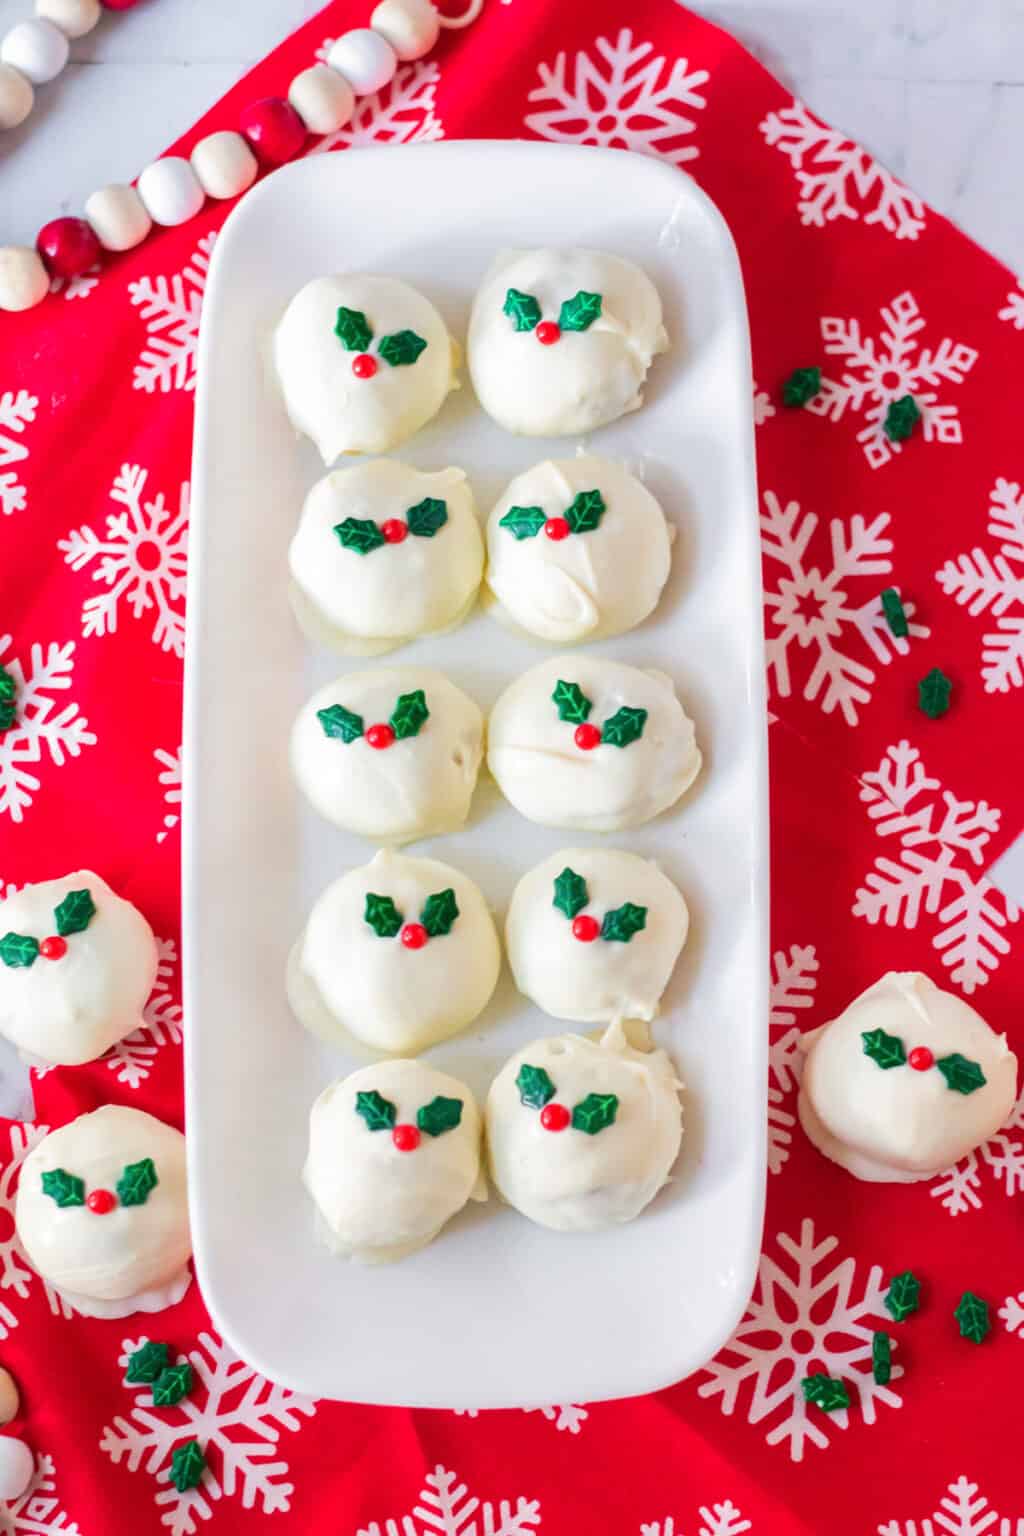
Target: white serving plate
497,1312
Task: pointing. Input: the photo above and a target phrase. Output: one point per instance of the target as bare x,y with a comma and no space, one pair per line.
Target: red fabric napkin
884,822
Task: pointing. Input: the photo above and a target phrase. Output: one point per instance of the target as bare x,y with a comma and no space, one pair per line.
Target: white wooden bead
323,99
365,58
10,1402
24,281
118,217
37,48
410,26
224,164
170,190
74,17
17,1464
16,97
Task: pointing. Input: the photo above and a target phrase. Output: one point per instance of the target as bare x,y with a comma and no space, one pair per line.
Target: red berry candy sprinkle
101,1202
556,528
394,530
414,935
547,333
364,366
274,130
554,1117
406,1138
68,247
587,737
921,1058
585,928
379,737
53,948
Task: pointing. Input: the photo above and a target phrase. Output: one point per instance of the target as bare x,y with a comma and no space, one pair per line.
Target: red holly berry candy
554,1117
274,129
556,528
547,333
101,1201
585,928
68,247
406,1138
921,1058
380,736
587,737
394,530
53,948
364,366
414,935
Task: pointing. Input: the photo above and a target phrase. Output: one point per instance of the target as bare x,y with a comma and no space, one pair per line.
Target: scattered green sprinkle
825,1392
885,1050
895,616
802,385
933,693
903,1296
973,1316
881,1358
147,1362
901,418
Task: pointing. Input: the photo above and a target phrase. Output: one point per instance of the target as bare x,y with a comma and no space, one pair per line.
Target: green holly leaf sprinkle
933,693
802,385
586,511
409,714
382,915
825,1392
340,723
621,923
885,1050
147,1362
64,1188
903,1295
74,913
625,726
137,1182
18,949
7,684
439,1115
535,1086
572,703
353,330
360,534
881,1358
901,418
523,522
7,714
594,1113
579,312
570,893
439,912
426,517
972,1314
522,309
378,1112
187,1465
172,1385
401,348
961,1075
895,616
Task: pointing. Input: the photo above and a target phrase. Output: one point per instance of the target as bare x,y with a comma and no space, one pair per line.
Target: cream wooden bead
410,26
170,190
224,164
36,48
10,1402
365,58
17,1464
118,217
74,17
323,99
24,281
16,97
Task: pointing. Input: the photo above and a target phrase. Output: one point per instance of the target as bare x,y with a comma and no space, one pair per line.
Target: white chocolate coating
898,1124
420,786
377,1203
586,378
113,1259
604,980
366,604
568,1180
534,758
589,585
63,1012
345,979
324,398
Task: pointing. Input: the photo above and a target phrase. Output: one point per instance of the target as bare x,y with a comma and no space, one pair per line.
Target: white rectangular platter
498,1312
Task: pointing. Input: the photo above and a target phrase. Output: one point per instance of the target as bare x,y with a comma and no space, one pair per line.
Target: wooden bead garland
37,49
119,217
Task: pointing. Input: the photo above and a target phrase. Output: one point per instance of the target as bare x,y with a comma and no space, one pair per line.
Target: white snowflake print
404,112
1012,1314
1013,309
941,842
878,372
76,287
624,96
233,1412
810,611
446,1508
996,585
17,410
131,1059
141,558
38,1511
170,308
16,1274
838,179
794,978
959,1187
170,778
773,1349
40,729
763,407
718,1520
962,1511
568,1416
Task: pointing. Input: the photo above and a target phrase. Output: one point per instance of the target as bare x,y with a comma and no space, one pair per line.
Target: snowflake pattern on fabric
38,1511
78,287
142,558
170,307
16,1274
763,407
131,1059
838,179
984,585
786,1334
810,611
624,96
170,778
233,1412
40,729
570,1416
941,845
718,1520
962,1511
878,372
1012,1314
959,1187
794,978
446,1508
17,410
1013,309
404,112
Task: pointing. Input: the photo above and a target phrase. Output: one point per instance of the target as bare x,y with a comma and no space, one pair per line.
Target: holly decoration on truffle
592,1114
888,1051
583,515
364,535
399,349
575,314
617,926
72,915
436,918
134,1187
619,730
7,706
432,1119
406,720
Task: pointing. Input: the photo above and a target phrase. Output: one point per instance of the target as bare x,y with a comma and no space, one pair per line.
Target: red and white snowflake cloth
884,824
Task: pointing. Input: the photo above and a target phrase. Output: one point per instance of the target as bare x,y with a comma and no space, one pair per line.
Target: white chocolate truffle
593,935
332,393
582,1134
392,754
906,1081
73,981
394,1153
383,553
102,1212
591,744
561,340
400,953
577,549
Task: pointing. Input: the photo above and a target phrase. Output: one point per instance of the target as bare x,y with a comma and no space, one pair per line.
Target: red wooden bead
414,935
274,129
921,1058
554,1117
68,247
101,1201
118,5
406,1138
380,736
394,530
547,332
587,737
585,928
556,528
364,366
53,948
